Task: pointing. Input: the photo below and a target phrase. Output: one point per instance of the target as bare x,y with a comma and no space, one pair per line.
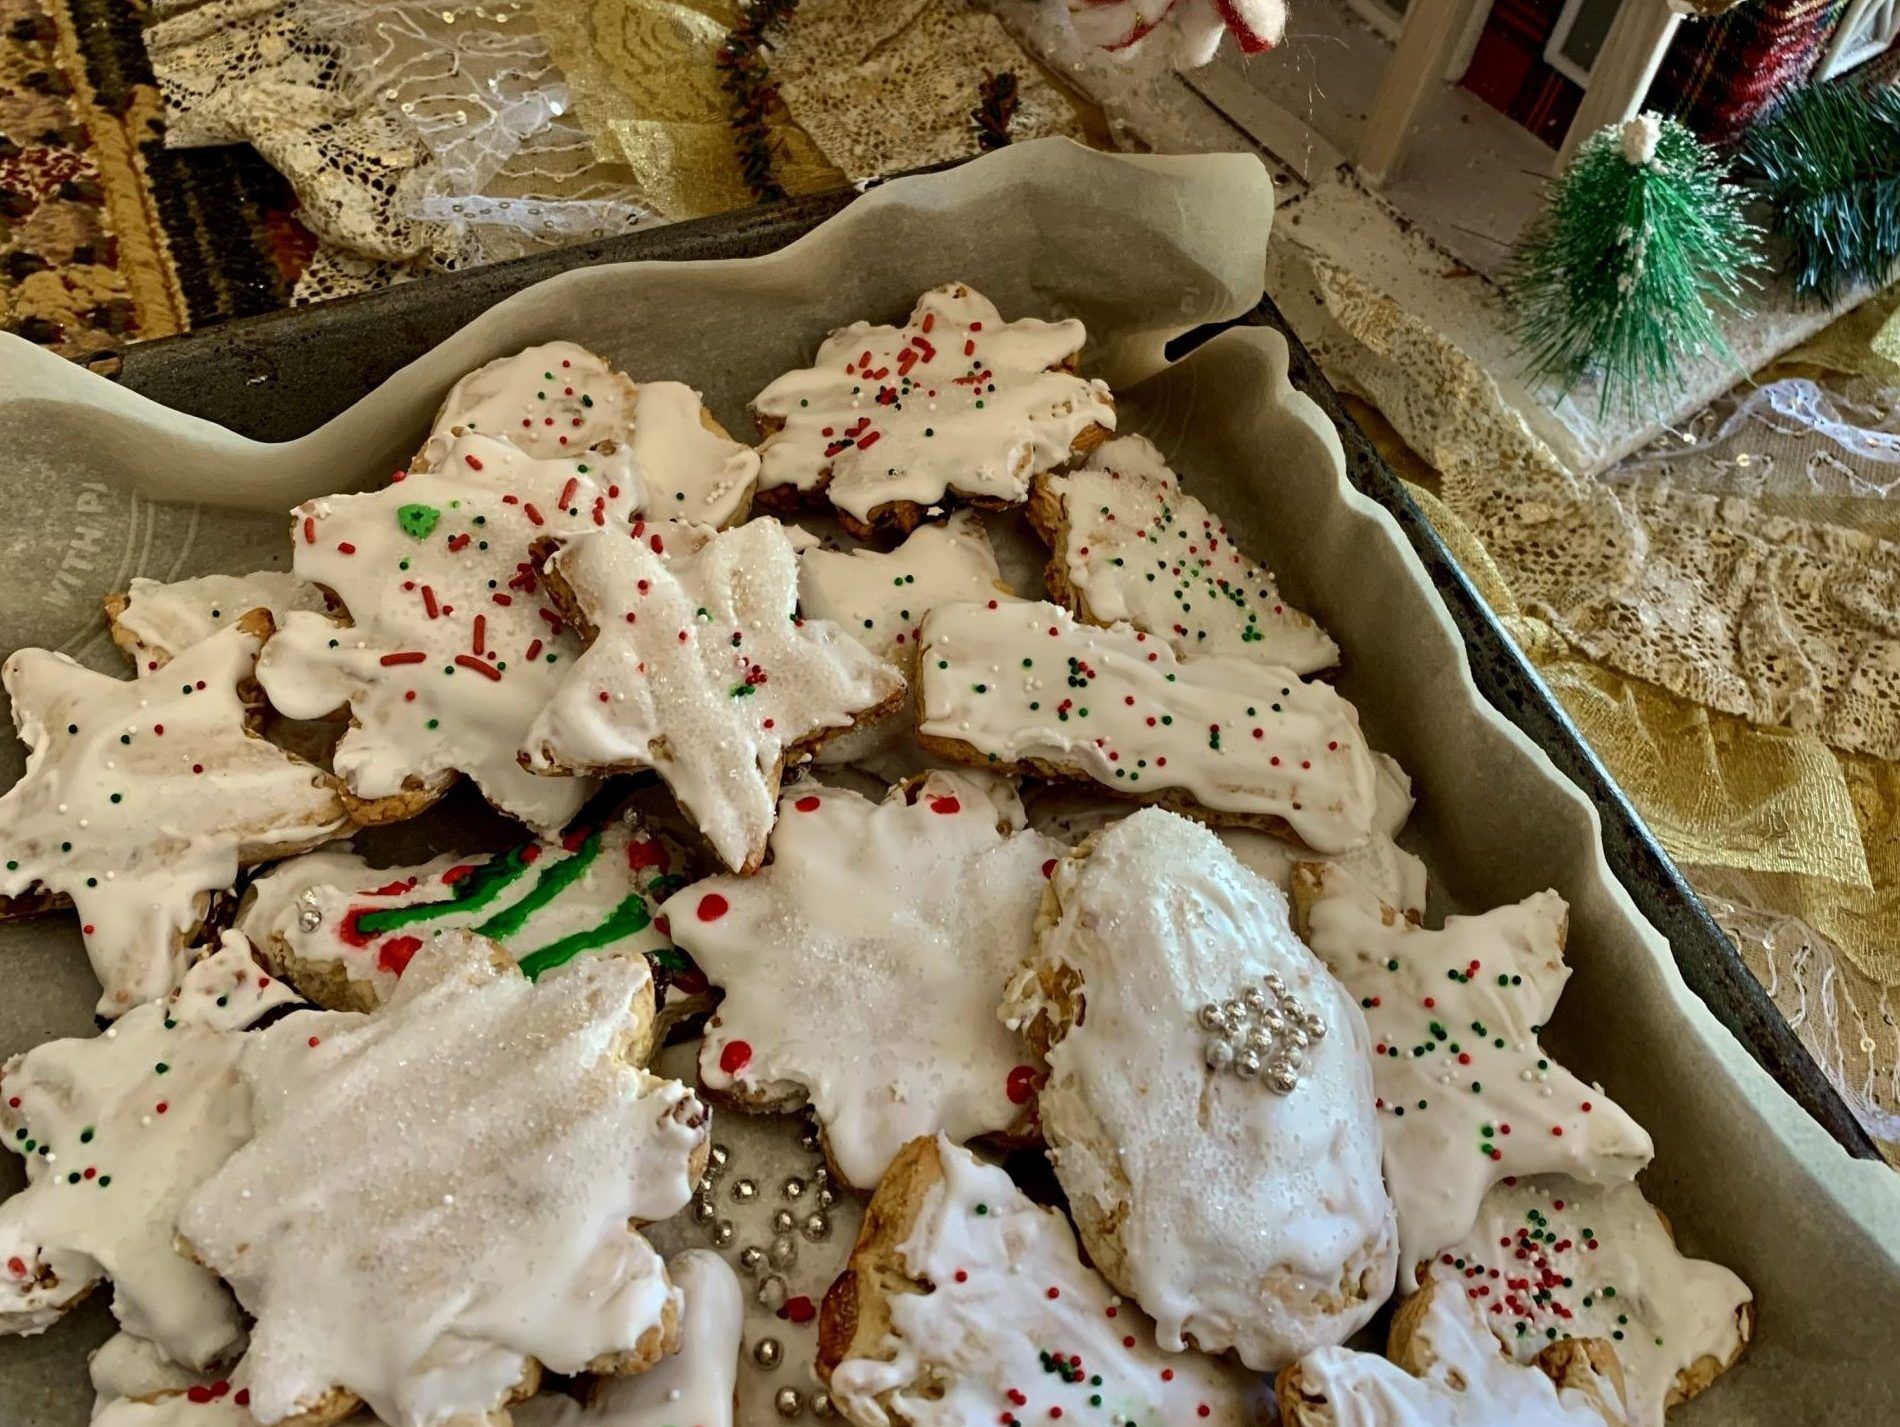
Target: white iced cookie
1467,1096
343,931
453,645
126,1365
1209,1102
1028,688
1191,29
440,1194
966,1304
1127,544
863,964
1458,1377
692,1388
1552,1259
116,1130
880,598
700,670
142,797
890,421
154,622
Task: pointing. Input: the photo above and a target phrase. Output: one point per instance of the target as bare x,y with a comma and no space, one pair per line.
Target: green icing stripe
552,880
623,921
471,894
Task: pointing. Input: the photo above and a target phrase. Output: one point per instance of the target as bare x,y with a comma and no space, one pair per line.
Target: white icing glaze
1467,1096
1008,1289
1551,1258
692,1388
442,1189
1139,549
126,1365
1026,681
779,1156
116,1130
957,400
548,401
1469,1383
863,965
1245,1219
439,565
141,795
1193,29
690,471
700,670
880,598
542,903
162,620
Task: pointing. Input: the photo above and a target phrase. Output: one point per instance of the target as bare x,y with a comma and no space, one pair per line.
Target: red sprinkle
712,907
407,656
473,464
1019,1087
480,666
735,1057
309,530
945,806
345,547
393,956
799,1310
807,804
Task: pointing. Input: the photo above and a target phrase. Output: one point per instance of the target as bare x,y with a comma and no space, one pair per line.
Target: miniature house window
1578,37
1867,29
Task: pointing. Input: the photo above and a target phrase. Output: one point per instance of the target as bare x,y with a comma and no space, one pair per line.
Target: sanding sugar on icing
1130,545
330,915
1551,1258
1020,682
1011,1323
1467,1096
141,796
1468,1383
701,670
956,400
491,1139
455,645
548,401
864,964
116,1131
1236,1216
155,621
693,1387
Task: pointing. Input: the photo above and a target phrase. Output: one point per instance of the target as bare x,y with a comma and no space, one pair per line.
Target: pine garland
1828,160
995,110
746,76
1640,242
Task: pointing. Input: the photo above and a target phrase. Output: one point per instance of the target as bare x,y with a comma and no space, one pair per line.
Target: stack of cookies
910,996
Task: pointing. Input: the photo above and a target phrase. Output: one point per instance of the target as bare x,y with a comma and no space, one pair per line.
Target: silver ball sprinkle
1247,1065
1315,1027
1232,1011
745,1190
808,1138
821,1404
793,1188
820,1174
1210,1017
703,1212
767,1353
788,1402
816,1227
1274,983
309,915
826,1198
1255,998
1220,1055
717,1159
750,1257
705,1185
782,1221
723,1233
1282,1080
784,1251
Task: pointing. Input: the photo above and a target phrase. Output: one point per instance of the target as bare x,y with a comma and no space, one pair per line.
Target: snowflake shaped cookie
1467,1096
142,797
493,1140
116,1131
1128,544
888,928
154,622
888,422
700,669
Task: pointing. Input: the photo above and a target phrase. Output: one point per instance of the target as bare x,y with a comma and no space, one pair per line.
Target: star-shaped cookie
141,797
701,670
1467,1096
153,622
863,966
888,422
117,1130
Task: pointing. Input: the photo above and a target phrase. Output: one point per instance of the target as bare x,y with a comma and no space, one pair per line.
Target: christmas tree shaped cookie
701,670
142,797
1467,1096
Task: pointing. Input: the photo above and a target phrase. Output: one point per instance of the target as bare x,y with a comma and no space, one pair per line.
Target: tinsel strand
995,110
745,75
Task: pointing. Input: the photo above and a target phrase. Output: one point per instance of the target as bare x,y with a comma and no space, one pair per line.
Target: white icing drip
985,390
548,401
690,471
1466,1111
1244,1218
700,671
880,599
133,824
1529,1261
1141,550
332,886
864,964
1469,1383
126,1365
957,1350
163,620
471,561
1154,723
141,1114
692,1388
484,1136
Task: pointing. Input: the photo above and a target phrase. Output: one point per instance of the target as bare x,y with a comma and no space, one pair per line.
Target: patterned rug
105,235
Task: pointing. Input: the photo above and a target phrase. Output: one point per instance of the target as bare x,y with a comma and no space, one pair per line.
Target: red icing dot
1167,1374
393,956
735,1057
798,1310
807,804
1556,1132
1128,1342
243,1397
641,855
963,1275
712,907
1020,1086
1203,1410
1049,868
162,1106
1054,1292
198,1395
17,1266
945,805
315,1041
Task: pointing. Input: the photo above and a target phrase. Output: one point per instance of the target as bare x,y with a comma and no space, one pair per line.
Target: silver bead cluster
309,914
1261,1034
